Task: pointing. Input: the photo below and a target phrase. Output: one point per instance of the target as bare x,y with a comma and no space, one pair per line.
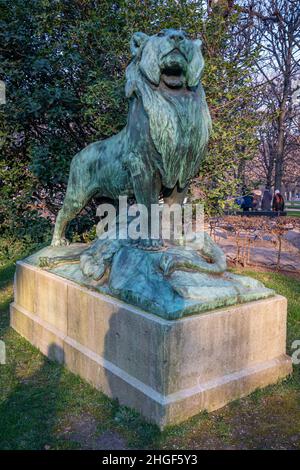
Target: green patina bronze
156,154
164,141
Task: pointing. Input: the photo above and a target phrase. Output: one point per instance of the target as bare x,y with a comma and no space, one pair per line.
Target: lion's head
168,57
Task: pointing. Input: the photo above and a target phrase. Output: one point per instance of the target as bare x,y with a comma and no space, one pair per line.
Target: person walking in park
266,200
278,202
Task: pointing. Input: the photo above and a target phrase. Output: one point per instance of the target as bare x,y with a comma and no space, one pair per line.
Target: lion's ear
196,65
137,40
198,43
130,86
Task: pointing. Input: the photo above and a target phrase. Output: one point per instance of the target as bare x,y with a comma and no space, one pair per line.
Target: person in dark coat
247,202
266,200
278,202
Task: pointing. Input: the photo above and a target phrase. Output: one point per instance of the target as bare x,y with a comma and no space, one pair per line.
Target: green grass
293,213
40,400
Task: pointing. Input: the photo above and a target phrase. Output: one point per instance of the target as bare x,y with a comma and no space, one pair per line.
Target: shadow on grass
7,273
6,295
28,414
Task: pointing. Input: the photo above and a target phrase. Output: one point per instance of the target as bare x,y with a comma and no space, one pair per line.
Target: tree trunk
269,174
283,111
279,155
269,159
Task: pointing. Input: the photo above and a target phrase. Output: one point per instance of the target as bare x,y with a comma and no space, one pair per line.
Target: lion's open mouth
173,70
173,76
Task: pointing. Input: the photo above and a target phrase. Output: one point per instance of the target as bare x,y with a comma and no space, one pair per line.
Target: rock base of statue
168,370
172,282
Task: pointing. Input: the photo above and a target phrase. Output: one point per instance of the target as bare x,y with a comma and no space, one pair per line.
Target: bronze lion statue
162,146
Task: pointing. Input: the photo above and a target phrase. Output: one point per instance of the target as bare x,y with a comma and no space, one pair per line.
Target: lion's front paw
60,242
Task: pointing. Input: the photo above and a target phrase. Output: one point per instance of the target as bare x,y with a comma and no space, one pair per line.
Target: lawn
292,213
43,406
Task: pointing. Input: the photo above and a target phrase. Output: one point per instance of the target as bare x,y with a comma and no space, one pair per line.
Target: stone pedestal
167,370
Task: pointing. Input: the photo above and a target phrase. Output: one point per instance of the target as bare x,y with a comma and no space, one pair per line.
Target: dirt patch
266,426
269,422
83,431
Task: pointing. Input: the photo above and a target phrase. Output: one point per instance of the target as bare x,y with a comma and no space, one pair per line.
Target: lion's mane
179,125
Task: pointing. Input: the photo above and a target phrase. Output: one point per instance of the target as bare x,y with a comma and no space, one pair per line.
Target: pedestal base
167,370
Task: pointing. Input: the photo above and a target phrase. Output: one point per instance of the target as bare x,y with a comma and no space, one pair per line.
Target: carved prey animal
164,141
